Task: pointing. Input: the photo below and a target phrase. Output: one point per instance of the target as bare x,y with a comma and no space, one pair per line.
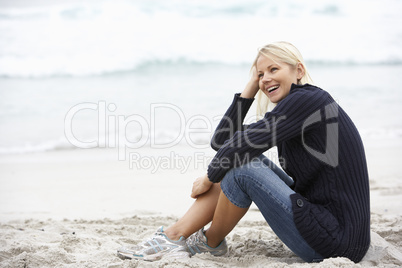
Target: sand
74,208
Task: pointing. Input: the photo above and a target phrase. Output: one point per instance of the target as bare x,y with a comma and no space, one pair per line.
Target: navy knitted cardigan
321,149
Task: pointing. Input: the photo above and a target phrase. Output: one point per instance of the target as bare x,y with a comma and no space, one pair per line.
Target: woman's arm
284,123
252,86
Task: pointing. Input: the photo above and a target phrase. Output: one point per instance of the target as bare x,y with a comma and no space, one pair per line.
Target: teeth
272,88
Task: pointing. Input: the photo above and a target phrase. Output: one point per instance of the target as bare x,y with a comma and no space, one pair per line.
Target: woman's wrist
207,181
250,90
252,86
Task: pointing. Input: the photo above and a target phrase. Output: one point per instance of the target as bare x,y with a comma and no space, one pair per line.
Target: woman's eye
274,69
260,76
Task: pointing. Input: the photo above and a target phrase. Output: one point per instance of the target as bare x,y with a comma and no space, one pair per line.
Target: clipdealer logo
112,130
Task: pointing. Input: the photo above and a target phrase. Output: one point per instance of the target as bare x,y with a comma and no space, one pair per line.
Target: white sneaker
198,243
153,249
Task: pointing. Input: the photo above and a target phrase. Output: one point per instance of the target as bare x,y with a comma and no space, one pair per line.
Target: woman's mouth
272,89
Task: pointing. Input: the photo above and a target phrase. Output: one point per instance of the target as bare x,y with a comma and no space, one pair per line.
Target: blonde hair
284,52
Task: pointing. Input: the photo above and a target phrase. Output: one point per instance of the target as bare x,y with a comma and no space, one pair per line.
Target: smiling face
276,77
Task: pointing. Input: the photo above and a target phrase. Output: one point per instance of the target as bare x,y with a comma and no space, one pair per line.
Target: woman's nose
266,78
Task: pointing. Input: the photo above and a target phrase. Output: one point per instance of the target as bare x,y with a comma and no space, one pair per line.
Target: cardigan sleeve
231,122
283,123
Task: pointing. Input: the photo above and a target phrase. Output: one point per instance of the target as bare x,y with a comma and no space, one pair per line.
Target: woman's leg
257,182
227,215
225,219
198,215
215,206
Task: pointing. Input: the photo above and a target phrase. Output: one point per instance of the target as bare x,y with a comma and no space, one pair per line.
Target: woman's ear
300,71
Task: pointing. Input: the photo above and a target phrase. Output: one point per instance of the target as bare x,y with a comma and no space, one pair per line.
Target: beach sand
74,208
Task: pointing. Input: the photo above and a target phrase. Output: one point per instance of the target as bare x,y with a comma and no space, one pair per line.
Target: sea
131,73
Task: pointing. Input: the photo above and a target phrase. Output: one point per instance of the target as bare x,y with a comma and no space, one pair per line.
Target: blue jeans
262,182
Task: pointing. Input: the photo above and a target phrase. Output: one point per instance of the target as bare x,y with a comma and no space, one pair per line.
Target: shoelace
193,239
146,241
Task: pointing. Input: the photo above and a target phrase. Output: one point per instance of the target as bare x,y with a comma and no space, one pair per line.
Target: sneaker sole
167,255
154,257
128,256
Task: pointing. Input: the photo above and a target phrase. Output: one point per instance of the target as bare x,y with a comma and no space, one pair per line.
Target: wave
50,145
49,71
105,37
206,8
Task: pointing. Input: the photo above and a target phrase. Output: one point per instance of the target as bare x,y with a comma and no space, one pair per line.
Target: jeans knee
235,190
255,169
229,178
236,174
239,177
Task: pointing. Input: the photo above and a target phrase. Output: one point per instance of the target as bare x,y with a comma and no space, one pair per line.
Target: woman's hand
252,86
201,185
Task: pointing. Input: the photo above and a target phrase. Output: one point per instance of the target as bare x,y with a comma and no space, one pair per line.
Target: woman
318,206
